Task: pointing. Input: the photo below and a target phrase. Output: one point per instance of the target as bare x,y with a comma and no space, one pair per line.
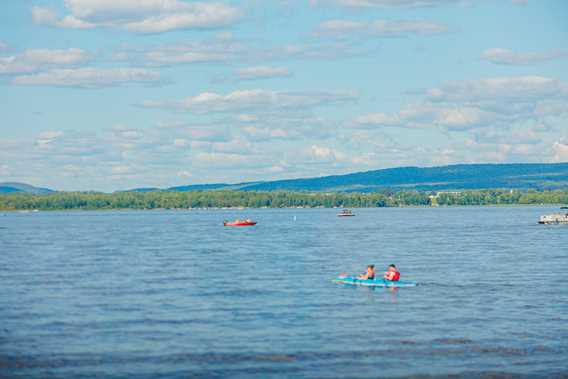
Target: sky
116,94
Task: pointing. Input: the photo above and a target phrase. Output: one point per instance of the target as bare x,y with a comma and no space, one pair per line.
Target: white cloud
48,137
524,136
523,88
560,152
121,170
89,77
228,49
184,174
266,133
32,60
509,57
163,58
328,155
427,115
505,103
322,152
380,28
43,16
386,3
262,72
56,57
5,170
256,99
147,16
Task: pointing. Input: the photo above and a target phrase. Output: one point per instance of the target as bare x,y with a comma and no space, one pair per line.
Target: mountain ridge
450,177
16,187
525,176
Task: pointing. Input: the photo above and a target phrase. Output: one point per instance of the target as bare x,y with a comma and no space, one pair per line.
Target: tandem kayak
239,223
374,283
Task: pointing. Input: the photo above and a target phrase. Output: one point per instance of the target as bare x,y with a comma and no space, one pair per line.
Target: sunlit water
175,294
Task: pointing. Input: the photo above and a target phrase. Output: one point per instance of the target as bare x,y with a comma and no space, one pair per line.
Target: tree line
276,199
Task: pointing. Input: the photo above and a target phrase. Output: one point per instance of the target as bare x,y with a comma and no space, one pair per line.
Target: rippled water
175,294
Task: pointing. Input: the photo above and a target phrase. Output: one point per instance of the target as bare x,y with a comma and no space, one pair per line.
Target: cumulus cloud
502,102
427,115
31,60
148,16
509,57
225,48
560,151
259,133
262,72
380,28
524,136
325,153
272,126
256,99
88,77
522,88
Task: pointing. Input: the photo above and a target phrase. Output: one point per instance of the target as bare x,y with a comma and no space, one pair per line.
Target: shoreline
273,208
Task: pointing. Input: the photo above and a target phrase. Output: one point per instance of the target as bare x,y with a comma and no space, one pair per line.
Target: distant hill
13,187
453,177
443,178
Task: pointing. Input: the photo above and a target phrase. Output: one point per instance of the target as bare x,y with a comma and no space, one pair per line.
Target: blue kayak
374,283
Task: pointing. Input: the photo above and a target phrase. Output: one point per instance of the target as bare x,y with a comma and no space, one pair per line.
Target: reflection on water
174,294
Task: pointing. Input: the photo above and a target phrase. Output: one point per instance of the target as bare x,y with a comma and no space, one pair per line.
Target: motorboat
239,223
345,213
557,218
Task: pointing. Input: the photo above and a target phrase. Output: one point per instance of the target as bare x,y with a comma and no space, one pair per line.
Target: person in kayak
392,274
369,275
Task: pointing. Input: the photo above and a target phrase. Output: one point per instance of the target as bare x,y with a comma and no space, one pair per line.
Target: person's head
370,267
392,268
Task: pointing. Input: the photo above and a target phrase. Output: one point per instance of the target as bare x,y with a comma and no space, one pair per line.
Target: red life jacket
396,276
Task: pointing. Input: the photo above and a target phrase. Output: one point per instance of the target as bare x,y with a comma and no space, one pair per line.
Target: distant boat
557,218
345,213
239,223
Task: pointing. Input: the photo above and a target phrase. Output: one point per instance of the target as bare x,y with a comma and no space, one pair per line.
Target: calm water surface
175,294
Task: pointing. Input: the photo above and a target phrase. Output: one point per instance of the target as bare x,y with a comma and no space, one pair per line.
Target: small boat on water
345,213
557,218
374,282
239,223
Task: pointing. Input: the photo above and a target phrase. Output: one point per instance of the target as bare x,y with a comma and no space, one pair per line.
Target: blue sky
117,94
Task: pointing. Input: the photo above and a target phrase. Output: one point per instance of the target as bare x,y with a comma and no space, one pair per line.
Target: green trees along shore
276,199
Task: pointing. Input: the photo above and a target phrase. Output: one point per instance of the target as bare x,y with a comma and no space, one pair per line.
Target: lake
149,294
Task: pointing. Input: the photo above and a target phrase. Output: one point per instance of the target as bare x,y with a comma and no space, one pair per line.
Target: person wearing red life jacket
392,274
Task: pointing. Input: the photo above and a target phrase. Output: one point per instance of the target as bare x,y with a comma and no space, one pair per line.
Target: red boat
239,223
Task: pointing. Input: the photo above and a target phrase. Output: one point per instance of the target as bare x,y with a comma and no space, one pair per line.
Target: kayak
374,283
239,223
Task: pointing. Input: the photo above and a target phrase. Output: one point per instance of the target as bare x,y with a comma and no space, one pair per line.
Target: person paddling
369,274
392,274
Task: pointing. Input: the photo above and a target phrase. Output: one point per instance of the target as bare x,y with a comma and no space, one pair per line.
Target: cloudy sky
116,94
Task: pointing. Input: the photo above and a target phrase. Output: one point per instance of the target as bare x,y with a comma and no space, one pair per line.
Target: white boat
345,213
557,218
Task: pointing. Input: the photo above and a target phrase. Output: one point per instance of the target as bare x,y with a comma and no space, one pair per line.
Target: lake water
146,294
